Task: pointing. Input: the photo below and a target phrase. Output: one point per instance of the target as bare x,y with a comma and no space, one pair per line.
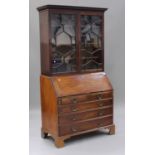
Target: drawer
79,127
85,98
84,106
64,119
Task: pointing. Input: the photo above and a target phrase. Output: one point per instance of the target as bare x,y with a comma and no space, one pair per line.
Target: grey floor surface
96,143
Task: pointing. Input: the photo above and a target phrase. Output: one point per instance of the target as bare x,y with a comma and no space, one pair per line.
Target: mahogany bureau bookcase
76,94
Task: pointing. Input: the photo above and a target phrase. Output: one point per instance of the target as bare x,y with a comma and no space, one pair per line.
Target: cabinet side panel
44,41
48,106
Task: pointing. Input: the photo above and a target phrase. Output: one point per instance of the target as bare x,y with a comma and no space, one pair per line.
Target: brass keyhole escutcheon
100,97
74,109
100,104
74,119
74,100
73,129
101,113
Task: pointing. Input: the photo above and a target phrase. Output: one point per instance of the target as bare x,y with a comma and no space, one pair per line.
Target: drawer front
66,119
84,106
79,127
85,98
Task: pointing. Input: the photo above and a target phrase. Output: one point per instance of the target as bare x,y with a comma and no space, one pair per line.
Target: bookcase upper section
72,39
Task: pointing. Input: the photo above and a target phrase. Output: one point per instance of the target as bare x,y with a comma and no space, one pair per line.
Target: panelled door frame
101,15
78,14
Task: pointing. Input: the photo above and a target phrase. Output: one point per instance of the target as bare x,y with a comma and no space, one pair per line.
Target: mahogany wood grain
44,42
81,84
85,98
74,108
48,107
71,118
78,127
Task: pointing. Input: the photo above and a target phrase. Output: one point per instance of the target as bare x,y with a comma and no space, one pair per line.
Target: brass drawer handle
73,119
100,113
100,104
59,101
74,100
99,97
74,109
100,124
73,129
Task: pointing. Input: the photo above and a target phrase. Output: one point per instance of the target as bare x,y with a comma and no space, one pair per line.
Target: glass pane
91,48
63,43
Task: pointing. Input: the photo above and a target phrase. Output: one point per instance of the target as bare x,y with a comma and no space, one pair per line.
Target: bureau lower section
82,113
67,116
